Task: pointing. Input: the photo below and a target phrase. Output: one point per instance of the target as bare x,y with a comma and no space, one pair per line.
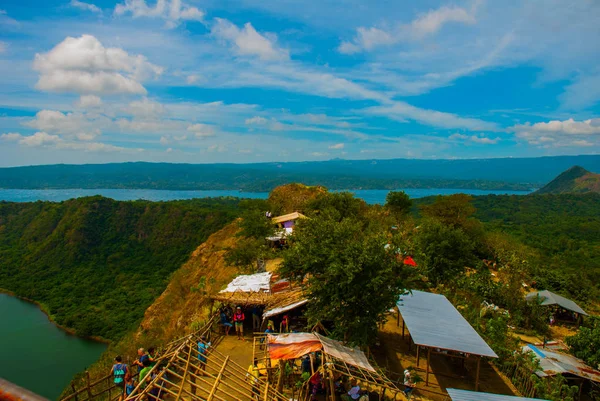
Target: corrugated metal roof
281,309
553,362
434,322
463,395
550,298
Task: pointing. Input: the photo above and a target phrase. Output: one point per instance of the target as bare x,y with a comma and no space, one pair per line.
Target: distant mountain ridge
498,174
575,180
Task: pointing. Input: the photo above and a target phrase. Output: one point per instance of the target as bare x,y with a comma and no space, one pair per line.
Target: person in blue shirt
142,356
119,370
202,352
225,322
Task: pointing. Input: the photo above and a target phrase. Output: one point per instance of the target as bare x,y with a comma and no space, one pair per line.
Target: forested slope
96,264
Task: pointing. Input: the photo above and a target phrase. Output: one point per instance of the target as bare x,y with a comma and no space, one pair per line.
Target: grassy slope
574,180
96,264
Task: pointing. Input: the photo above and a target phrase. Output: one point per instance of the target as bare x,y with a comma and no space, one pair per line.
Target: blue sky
201,81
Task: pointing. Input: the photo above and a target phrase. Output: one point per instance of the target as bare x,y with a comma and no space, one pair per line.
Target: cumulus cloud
337,146
558,133
85,6
73,125
247,41
172,11
146,108
39,139
10,137
83,65
425,24
256,120
202,130
88,101
480,139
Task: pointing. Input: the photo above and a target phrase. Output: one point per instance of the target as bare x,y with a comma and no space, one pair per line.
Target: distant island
485,174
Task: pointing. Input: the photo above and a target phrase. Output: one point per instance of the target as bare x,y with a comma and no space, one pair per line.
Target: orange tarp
292,345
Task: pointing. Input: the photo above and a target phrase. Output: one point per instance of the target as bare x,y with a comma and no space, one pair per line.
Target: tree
255,225
445,250
586,343
352,280
453,210
398,202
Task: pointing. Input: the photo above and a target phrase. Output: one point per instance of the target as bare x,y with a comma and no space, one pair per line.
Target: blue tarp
463,395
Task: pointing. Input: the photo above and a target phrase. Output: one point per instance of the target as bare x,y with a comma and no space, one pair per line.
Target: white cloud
149,126
146,108
432,21
402,111
426,24
256,120
88,101
480,139
247,41
202,130
583,92
77,125
3,46
319,154
10,137
192,79
172,11
39,139
337,146
83,65
85,6
558,133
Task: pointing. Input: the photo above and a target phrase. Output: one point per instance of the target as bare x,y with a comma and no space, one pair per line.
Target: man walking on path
238,320
408,384
142,356
252,377
119,370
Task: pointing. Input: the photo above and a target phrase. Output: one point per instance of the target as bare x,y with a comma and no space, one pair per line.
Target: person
225,322
285,324
144,372
315,385
202,350
408,384
552,320
252,377
255,318
119,370
238,319
129,384
151,353
142,356
305,364
354,393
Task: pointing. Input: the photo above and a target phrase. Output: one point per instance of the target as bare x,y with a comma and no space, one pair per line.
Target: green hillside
96,264
574,180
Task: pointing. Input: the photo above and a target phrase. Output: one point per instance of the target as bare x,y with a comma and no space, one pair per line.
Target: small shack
553,361
464,395
548,298
288,221
434,324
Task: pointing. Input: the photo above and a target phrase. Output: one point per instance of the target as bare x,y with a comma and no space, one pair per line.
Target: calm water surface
37,355
371,196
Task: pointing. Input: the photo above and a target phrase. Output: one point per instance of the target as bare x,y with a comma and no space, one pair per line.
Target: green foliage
586,343
96,264
352,279
444,251
398,202
453,210
255,225
337,205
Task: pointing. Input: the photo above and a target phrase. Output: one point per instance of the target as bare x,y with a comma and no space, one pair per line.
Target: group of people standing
125,378
230,318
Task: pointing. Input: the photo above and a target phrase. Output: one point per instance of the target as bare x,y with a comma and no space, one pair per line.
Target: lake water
37,355
372,196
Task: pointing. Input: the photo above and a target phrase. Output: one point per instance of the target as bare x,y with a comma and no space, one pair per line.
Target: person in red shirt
238,319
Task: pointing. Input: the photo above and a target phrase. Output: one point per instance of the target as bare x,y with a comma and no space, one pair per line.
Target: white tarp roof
463,395
352,356
259,282
281,309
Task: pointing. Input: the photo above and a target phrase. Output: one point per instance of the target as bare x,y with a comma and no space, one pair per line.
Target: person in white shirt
408,384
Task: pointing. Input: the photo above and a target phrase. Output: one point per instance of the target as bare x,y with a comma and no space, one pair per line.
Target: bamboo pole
477,377
428,365
88,388
218,380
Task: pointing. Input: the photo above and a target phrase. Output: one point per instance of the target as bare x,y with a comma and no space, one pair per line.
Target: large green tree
398,202
352,279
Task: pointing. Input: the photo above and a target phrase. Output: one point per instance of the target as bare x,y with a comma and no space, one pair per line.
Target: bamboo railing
104,389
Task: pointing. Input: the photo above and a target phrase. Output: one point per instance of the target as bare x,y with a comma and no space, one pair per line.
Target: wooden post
418,355
402,328
398,317
477,377
89,389
281,373
428,362
74,390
